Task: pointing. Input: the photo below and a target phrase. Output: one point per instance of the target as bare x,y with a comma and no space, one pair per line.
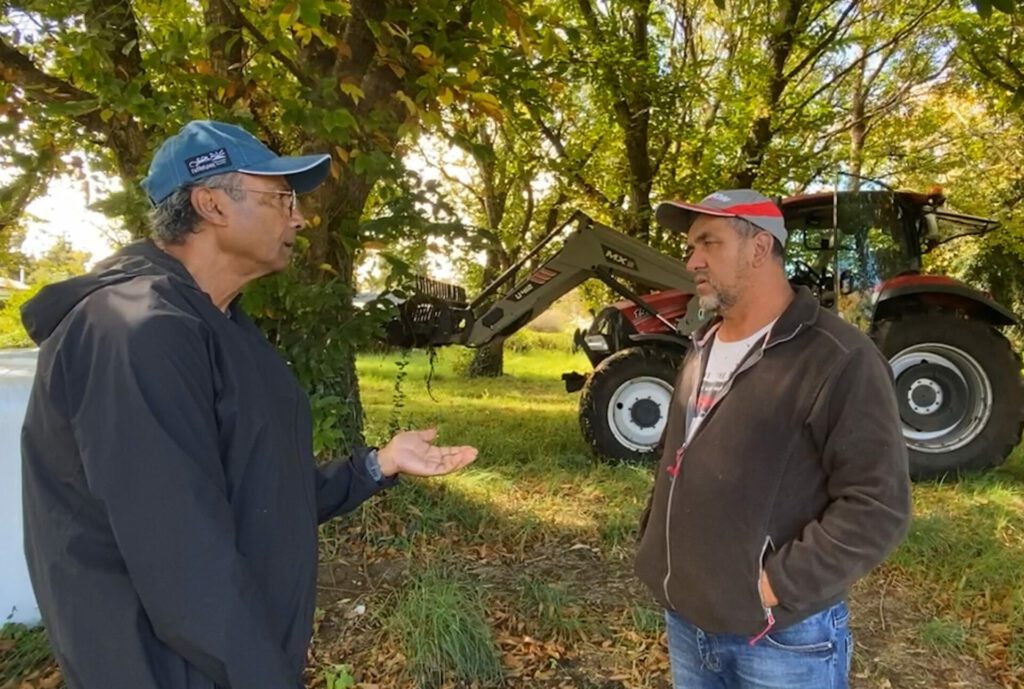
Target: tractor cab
848,246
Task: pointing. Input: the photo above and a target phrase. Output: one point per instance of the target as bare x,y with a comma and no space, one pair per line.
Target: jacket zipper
769,616
674,469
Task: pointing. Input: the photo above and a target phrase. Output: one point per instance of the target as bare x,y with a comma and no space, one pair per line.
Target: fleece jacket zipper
676,467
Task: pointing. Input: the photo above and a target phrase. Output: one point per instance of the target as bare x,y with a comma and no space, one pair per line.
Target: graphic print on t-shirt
723,359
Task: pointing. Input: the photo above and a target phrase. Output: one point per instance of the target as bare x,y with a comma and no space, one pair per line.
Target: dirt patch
608,650
890,653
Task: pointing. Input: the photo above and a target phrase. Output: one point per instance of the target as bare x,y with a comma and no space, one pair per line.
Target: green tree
356,78
60,262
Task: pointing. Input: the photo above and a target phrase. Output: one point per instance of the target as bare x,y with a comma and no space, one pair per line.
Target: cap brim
678,216
304,173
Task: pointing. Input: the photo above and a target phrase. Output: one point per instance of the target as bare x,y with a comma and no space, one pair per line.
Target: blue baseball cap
204,148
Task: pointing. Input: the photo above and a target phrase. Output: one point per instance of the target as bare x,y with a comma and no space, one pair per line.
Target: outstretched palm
414,454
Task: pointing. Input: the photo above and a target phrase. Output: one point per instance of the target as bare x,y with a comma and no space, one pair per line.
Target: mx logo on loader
619,259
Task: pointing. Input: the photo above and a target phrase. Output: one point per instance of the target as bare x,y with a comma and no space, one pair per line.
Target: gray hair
175,218
748,229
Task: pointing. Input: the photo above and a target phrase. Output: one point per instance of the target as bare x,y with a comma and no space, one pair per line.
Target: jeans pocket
814,635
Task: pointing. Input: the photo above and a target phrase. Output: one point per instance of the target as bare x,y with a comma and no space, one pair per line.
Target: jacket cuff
368,464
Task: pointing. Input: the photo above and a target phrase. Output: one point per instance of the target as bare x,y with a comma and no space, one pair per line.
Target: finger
428,435
454,458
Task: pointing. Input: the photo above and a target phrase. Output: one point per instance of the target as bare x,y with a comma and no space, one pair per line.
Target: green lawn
519,566
535,481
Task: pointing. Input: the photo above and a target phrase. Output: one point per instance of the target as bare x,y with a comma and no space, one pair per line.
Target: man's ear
207,206
762,248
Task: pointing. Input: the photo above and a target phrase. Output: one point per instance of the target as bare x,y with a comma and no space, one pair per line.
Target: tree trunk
339,203
489,360
761,132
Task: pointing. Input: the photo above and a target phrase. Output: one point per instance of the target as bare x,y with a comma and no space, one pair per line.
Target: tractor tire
959,391
624,404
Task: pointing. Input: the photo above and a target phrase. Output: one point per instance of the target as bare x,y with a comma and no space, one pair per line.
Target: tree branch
590,17
16,196
823,44
837,78
42,88
286,61
115,21
576,175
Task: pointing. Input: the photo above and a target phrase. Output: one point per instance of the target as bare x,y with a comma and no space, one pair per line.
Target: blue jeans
812,654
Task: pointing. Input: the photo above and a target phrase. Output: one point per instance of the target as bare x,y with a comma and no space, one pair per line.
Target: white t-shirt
723,360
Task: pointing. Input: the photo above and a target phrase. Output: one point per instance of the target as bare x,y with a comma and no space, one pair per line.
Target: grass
534,476
944,636
526,555
535,482
647,620
965,554
439,619
554,609
23,652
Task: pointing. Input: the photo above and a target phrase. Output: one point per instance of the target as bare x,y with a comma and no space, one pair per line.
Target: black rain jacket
170,492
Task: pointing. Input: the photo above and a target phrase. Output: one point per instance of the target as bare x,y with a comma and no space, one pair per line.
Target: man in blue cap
170,492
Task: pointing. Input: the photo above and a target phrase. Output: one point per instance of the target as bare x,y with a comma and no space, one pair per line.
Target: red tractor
958,381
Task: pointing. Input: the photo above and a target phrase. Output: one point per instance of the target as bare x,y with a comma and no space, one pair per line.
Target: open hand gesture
414,454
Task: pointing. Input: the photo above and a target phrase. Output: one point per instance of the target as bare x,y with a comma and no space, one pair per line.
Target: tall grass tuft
440,621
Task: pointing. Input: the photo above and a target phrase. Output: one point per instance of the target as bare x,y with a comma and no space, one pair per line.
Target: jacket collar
802,312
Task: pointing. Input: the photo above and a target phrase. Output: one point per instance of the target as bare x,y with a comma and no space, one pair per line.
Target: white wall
17,602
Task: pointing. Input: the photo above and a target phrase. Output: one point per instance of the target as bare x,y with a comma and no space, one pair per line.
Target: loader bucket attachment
433,314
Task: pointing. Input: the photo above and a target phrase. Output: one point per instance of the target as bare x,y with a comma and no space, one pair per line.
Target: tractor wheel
625,402
959,389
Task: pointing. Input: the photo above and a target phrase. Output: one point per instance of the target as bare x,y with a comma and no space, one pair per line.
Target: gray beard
719,301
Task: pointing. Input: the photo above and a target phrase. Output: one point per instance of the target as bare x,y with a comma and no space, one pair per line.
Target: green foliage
311,324
12,332
349,77
440,621
527,340
338,677
22,651
60,262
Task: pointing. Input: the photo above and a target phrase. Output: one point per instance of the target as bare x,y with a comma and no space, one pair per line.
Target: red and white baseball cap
755,208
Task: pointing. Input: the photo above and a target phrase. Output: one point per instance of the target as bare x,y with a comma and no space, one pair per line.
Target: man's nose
695,261
297,219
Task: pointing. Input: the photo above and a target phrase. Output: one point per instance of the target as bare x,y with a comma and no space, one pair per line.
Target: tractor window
874,246
944,226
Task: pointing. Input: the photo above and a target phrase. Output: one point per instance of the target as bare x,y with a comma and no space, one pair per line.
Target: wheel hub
932,396
645,413
944,396
637,412
925,396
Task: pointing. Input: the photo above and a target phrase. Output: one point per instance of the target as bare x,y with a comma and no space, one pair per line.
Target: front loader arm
592,251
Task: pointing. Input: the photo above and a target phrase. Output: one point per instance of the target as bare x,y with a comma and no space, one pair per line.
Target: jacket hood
43,313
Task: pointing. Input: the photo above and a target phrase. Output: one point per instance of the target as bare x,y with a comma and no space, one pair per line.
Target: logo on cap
205,162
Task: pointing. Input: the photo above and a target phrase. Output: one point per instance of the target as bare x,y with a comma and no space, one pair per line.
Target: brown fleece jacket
799,469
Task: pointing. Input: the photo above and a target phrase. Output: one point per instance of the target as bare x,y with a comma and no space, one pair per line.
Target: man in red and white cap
783,477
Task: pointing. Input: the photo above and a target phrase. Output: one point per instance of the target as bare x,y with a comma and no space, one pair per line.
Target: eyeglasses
292,203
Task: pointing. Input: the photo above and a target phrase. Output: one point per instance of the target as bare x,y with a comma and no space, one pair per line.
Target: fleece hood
43,313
